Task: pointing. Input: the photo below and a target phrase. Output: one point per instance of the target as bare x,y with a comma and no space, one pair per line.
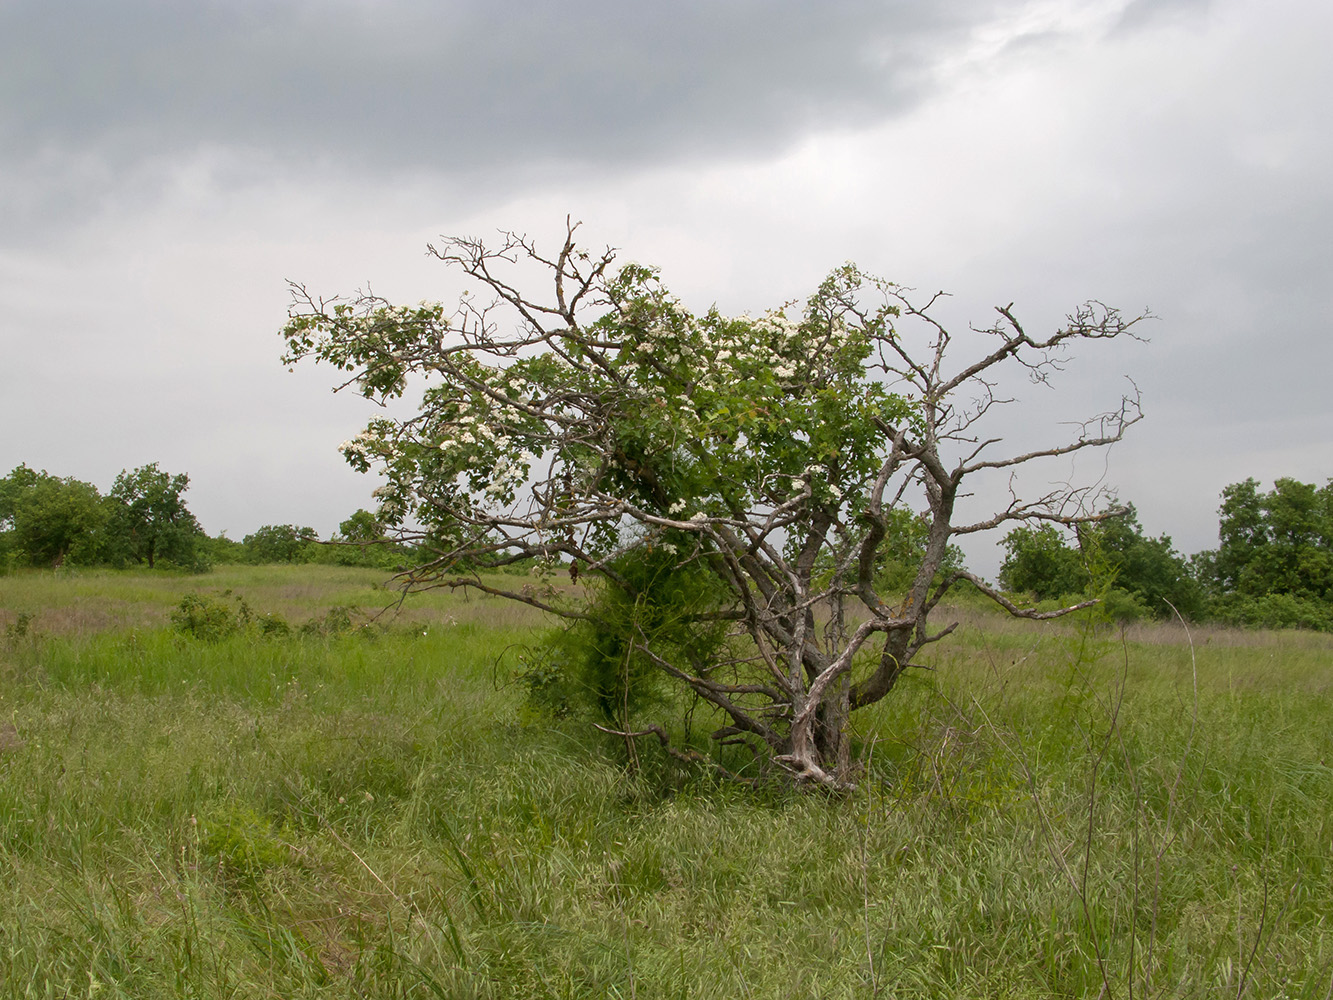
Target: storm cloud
167,166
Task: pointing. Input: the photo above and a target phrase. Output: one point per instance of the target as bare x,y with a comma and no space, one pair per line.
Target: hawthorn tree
602,426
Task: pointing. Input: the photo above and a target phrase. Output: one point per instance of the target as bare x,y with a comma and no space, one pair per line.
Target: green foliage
205,618
362,526
221,550
1280,542
279,543
903,549
1150,570
149,520
1039,561
1144,575
1274,566
212,620
1272,611
18,630
335,621
273,625
240,845
50,520
598,665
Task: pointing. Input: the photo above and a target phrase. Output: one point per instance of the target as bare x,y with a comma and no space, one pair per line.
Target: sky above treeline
168,167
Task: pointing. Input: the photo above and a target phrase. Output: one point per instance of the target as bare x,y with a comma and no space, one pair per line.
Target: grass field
1051,812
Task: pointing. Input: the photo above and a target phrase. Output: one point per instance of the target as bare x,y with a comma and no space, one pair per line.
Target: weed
18,630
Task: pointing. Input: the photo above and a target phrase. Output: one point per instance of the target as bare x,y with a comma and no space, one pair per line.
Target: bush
204,618
594,666
1272,611
210,620
279,543
1122,607
241,844
336,621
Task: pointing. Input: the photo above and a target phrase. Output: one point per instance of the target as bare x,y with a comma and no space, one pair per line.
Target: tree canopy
149,517
1143,574
1274,564
47,519
603,423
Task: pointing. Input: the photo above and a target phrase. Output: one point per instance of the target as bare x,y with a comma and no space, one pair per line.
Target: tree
610,424
149,518
1041,562
361,528
1274,566
1150,570
278,543
1149,574
1280,542
50,519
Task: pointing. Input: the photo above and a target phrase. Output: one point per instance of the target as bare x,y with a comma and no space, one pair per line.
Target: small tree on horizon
49,520
1149,574
149,519
279,543
769,456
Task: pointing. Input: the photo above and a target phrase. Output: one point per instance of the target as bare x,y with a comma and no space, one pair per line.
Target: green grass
378,815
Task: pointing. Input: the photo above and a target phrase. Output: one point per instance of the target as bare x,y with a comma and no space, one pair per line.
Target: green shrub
1123,607
593,665
1273,611
204,618
213,619
273,625
336,621
19,628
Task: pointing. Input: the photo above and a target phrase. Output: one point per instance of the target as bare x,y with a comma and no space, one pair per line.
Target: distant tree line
50,521
1273,567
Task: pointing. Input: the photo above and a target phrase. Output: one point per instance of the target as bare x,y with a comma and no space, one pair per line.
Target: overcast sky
164,168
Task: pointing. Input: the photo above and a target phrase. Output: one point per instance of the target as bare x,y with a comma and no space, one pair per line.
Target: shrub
597,664
204,618
1273,611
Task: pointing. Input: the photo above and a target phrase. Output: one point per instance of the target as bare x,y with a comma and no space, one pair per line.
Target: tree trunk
819,751
831,742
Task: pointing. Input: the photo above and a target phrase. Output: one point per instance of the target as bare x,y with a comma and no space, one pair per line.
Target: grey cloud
457,85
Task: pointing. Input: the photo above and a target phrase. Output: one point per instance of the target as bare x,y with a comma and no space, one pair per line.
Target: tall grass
379,815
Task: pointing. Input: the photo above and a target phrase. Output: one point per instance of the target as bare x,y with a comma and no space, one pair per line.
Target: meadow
370,809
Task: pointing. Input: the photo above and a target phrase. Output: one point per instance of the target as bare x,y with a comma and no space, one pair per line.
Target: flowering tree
770,454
